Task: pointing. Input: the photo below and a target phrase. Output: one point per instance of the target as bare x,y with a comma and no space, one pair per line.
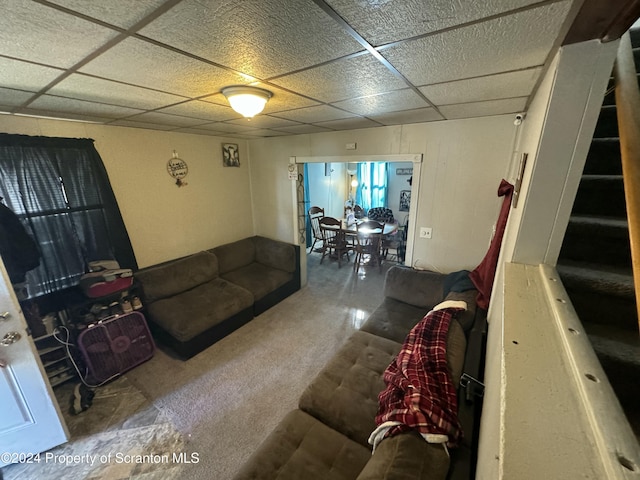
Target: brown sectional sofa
194,301
326,438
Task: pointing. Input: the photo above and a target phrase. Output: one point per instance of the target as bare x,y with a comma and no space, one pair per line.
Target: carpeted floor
213,410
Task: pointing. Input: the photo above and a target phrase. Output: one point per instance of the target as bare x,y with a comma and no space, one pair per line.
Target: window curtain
60,191
372,185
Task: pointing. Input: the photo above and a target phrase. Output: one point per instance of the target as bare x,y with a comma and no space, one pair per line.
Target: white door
30,421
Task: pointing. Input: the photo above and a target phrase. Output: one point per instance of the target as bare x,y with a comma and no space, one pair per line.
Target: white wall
328,191
396,184
164,221
464,161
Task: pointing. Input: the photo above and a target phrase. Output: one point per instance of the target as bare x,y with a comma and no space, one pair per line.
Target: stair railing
628,111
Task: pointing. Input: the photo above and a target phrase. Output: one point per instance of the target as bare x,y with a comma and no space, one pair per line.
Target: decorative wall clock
178,169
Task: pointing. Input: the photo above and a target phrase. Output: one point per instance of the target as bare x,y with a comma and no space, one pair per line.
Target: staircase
595,260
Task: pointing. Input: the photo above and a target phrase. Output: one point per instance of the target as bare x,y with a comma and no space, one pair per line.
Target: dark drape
483,275
60,190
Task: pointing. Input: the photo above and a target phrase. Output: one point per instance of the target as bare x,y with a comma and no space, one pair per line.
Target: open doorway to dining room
369,181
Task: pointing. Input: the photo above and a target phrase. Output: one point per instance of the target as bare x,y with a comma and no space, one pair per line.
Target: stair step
604,157
598,279
607,125
598,240
619,353
600,195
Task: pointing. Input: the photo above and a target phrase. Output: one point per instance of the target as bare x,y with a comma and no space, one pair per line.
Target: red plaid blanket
420,394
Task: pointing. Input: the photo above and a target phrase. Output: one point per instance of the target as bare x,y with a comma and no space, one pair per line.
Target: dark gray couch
194,301
326,438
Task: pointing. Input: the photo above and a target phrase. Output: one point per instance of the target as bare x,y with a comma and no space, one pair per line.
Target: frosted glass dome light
247,101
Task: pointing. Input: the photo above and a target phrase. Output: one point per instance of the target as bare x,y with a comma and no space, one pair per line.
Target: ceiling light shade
247,101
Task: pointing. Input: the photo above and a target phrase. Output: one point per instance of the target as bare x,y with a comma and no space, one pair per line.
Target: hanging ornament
178,169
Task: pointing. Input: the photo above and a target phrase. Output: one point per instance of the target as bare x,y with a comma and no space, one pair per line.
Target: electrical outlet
425,232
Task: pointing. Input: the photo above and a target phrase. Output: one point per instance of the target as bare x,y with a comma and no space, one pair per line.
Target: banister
628,111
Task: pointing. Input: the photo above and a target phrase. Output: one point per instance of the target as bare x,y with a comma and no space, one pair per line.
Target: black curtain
59,189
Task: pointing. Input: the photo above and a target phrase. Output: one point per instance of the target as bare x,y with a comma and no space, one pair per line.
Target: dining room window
60,191
372,185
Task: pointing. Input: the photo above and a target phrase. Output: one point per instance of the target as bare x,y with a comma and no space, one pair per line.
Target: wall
164,221
328,191
464,161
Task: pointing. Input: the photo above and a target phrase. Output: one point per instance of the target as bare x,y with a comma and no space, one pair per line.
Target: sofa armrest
420,288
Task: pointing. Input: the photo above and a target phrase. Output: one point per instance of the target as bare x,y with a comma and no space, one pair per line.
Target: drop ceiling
331,64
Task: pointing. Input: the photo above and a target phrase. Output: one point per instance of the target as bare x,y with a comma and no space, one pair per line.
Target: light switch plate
425,232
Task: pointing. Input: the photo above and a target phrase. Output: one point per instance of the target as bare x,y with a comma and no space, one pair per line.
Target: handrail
628,111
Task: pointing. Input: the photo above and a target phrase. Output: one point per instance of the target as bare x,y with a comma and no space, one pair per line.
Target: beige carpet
216,408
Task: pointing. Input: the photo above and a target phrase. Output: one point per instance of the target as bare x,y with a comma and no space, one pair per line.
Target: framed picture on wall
230,155
405,200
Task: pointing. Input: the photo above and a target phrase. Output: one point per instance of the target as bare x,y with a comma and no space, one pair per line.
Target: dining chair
394,244
315,214
368,244
358,211
333,239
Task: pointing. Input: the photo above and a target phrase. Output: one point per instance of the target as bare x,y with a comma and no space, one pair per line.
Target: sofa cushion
176,276
275,254
234,255
258,279
302,448
344,395
191,312
417,288
407,457
393,319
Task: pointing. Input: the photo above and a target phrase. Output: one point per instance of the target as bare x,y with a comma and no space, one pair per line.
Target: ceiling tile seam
321,64
128,84
377,55
229,69
470,23
121,36
484,101
486,75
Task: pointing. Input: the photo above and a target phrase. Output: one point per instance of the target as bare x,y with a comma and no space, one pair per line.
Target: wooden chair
358,211
333,239
368,244
315,214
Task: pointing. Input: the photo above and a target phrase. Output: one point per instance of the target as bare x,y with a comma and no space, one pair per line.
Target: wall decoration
178,169
405,200
404,171
230,155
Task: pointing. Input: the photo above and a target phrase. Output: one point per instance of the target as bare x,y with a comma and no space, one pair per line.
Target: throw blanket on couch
420,394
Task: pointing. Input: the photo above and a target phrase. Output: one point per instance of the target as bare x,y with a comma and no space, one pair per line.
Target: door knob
9,338
5,315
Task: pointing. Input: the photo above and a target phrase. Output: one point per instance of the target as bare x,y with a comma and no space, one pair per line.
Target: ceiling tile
13,98
160,69
259,38
481,109
26,76
299,129
131,123
38,33
386,21
265,133
349,124
263,121
94,89
68,105
199,131
418,115
383,102
228,127
166,119
503,85
122,13
204,110
509,43
321,113
346,78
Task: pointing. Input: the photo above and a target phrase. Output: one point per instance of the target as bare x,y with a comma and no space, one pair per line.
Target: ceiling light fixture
247,101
